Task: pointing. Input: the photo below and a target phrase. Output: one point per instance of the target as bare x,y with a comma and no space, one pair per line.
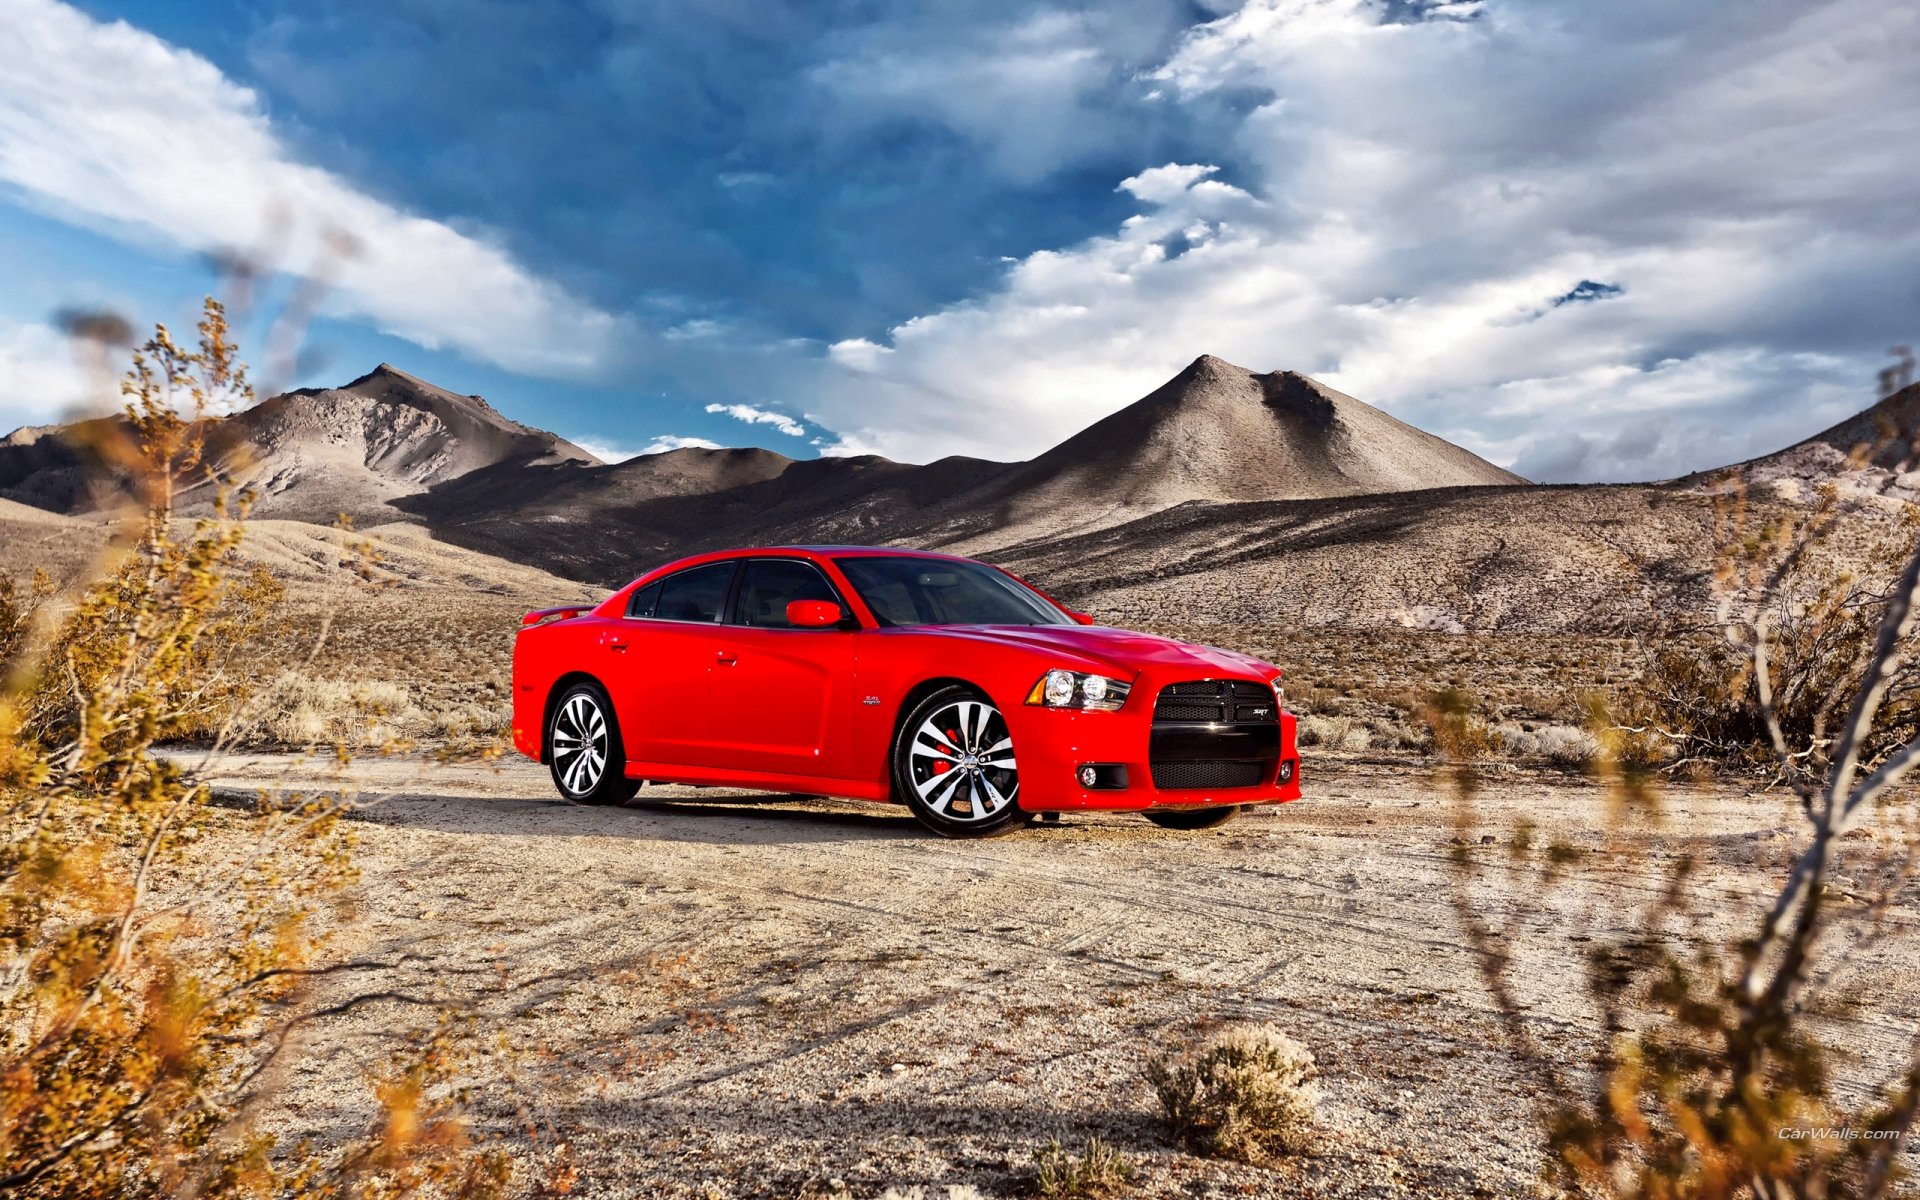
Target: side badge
870,700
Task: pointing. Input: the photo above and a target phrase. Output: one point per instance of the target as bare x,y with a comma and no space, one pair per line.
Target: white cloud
844,445
1032,94
672,441
760,416
607,452
41,380
859,354
1409,201
107,125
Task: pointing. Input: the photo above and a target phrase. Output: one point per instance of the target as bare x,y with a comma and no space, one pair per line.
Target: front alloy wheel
584,751
953,764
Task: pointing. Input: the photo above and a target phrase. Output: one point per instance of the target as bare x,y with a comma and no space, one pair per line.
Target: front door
782,696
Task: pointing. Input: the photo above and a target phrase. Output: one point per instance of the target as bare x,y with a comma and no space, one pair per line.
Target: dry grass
301,710
1098,1171
1246,1094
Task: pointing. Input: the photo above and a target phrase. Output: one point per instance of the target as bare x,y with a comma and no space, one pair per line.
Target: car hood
1121,652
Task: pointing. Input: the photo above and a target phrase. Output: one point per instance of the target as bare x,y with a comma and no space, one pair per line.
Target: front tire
1190,819
954,766
584,753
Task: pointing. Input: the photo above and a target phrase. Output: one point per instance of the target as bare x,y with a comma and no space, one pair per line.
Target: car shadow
724,818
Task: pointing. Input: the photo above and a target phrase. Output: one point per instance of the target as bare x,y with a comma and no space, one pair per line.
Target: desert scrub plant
1245,1093
1098,1171
147,987
1712,1074
1801,595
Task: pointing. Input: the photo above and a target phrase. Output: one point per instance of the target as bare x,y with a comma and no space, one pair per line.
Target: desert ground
715,994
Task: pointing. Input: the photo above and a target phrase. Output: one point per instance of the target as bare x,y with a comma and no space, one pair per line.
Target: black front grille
1213,733
1214,700
1164,711
1215,774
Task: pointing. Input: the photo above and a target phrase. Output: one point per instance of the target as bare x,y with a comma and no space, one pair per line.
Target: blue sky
1588,241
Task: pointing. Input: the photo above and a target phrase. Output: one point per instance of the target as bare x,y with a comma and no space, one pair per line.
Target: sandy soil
718,994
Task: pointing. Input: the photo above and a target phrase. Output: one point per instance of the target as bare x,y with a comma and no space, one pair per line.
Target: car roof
820,551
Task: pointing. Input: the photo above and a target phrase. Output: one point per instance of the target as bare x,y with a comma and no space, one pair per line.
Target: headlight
1279,691
1075,689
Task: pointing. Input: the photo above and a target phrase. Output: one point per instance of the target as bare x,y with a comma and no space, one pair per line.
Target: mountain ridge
1224,495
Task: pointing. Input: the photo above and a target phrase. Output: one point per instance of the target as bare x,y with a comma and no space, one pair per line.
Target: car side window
768,585
694,595
642,602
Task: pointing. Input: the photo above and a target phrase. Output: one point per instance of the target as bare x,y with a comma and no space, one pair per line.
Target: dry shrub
1099,1170
1459,732
1702,695
1713,1073
304,711
148,988
1245,1094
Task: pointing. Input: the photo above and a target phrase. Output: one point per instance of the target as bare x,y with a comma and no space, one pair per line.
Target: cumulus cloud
761,416
1520,230
107,125
610,453
40,378
1036,89
844,445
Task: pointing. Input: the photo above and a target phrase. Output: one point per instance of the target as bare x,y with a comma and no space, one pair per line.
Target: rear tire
584,752
954,766
1189,819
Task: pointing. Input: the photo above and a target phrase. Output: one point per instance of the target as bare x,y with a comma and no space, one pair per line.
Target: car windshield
903,590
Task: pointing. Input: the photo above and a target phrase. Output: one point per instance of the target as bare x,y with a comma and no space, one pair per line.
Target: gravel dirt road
720,994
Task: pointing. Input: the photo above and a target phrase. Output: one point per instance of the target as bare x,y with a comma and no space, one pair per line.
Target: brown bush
1245,1094
1707,1057
145,990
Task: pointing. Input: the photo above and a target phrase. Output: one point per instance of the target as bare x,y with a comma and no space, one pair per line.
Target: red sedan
939,682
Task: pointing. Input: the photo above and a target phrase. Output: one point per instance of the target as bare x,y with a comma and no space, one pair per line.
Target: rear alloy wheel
1192,818
953,764
583,749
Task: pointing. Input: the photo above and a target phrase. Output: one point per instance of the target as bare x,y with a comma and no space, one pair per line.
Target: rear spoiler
542,616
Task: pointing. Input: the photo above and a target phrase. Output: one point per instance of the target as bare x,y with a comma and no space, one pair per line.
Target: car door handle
726,658
618,643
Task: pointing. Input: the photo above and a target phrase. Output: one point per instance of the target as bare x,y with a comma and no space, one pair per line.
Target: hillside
1217,433
310,454
1880,440
1223,497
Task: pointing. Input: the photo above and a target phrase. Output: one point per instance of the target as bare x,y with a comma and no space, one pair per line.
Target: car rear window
642,602
696,594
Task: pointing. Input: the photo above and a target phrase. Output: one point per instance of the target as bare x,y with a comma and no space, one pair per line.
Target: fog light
1286,770
1089,777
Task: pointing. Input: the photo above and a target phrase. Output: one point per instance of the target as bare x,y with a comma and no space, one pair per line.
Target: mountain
1222,497
1219,433
1214,433
1882,440
317,452
310,454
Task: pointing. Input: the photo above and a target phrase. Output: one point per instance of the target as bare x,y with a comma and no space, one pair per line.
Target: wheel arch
920,691
554,693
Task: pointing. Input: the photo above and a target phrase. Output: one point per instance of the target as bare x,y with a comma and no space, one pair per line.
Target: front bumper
1052,744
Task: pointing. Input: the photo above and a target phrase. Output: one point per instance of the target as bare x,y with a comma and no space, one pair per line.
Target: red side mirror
813,614
1080,618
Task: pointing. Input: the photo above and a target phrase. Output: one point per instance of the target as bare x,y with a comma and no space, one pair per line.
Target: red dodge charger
939,682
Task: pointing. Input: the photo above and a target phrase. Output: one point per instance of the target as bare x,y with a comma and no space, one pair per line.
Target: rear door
782,696
663,657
